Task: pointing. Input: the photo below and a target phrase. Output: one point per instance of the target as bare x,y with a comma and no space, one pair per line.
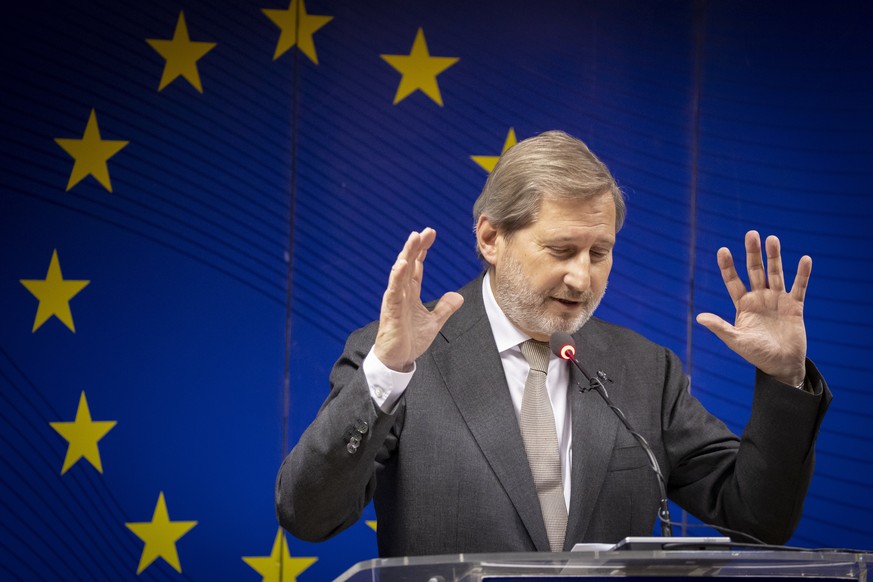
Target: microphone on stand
563,346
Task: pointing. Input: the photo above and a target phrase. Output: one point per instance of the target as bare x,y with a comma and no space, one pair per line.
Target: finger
755,261
411,248
403,255
775,276
446,306
426,240
398,278
801,280
721,328
410,254
735,286
428,236
395,291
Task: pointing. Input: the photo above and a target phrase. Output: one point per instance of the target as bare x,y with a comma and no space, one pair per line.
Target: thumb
721,328
446,306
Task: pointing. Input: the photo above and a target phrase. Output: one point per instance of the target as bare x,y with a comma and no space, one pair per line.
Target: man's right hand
406,326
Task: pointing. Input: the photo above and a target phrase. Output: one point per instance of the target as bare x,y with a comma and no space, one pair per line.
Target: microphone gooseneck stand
563,346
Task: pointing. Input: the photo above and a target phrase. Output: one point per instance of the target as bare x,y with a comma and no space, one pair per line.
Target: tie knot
537,354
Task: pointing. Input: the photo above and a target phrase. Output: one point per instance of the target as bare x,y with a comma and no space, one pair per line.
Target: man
431,410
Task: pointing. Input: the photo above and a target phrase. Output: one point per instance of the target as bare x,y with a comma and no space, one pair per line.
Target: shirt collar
506,335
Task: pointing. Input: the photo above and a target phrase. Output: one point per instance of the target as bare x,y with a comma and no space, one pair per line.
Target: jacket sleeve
329,476
755,484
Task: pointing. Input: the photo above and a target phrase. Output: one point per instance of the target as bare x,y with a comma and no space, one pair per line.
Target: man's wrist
386,385
792,382
403,368
795,378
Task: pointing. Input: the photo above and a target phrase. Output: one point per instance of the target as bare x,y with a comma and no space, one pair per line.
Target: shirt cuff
386,385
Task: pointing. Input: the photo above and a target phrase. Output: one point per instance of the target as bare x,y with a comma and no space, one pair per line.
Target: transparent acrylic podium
654,565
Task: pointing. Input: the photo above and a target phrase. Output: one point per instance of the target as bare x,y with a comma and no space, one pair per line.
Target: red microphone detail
568,351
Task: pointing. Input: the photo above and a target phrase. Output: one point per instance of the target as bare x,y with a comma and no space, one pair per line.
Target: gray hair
552,164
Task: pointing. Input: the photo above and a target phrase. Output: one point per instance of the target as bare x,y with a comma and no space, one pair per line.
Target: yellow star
54,294
419,70
181,54
83,434
287,21
91,154
279,566
488,162
372,524
160,536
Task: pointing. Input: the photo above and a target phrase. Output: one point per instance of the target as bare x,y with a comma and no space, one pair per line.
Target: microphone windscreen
559,341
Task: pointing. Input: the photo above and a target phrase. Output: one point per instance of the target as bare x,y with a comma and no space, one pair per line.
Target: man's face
551,275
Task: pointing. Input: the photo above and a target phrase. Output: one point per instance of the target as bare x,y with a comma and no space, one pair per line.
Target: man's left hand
768,331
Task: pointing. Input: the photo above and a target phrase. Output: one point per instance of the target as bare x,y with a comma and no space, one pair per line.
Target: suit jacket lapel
485,405
594,430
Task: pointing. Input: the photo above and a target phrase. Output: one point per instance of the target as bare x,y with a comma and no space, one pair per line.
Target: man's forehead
563,213
576,235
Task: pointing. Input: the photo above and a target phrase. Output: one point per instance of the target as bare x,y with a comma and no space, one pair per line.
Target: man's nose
578,275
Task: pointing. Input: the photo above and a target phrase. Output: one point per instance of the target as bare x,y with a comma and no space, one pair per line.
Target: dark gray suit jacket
449,473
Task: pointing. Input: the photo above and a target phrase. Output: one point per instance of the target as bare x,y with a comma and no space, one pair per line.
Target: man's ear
486,238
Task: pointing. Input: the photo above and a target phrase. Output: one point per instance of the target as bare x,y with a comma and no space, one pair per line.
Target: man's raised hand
406,326
768,331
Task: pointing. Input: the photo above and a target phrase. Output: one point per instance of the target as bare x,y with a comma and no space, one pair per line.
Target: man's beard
528,309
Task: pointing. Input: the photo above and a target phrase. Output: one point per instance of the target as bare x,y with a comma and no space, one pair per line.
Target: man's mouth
567,302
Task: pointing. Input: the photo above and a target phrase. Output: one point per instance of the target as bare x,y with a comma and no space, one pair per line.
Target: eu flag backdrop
200,200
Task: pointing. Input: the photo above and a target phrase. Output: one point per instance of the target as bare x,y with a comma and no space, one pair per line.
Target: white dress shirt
386,385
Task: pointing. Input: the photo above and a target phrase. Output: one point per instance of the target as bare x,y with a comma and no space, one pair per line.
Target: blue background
251,228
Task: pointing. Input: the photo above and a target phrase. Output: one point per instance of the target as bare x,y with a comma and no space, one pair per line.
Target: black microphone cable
563,346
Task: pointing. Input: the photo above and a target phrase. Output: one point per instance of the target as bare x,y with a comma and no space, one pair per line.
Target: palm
406,331
769,330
